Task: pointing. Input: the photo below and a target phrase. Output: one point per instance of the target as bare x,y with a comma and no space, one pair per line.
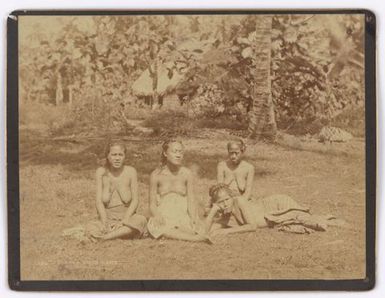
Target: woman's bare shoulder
248,165
129,170
155,174
100,171
185,171
221,164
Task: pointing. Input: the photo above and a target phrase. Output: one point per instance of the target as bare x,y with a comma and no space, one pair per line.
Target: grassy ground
57,192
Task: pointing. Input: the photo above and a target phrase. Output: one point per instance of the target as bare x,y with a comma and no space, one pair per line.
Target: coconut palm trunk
59,90
153,69
261,116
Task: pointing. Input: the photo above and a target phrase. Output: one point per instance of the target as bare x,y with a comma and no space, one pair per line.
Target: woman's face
225,201
116,157
235,153
174,153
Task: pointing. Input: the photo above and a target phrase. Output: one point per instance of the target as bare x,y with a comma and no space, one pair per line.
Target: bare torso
117,189
168,182
235,178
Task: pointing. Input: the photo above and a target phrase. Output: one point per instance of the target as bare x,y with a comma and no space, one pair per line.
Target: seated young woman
172,205
237,173
116,198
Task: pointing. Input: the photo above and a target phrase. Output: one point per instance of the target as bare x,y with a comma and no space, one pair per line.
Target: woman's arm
247,217
153,194
99,190
134,194
239,229
209,220
220,173
191,206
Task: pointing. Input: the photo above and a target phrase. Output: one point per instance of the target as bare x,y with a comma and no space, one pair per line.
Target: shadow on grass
144,156
207,164
83,156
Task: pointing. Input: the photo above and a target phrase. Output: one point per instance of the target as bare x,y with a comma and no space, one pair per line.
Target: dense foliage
309,80
313,70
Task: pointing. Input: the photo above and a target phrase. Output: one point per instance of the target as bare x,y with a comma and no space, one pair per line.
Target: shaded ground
57,192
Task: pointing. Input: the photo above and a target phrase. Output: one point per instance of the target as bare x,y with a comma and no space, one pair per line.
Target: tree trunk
154,76
70,95
261,116
59,90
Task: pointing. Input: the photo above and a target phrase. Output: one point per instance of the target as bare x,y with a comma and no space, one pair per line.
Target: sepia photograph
193,146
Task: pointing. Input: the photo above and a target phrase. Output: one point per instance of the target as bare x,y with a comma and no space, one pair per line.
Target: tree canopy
303,67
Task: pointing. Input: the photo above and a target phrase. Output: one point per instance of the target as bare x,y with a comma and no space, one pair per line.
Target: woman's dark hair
213,192
108,147
166,144
215,189
238,142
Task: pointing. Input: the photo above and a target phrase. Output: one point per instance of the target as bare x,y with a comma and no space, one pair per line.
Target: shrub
39,116
231,122
169,123
351,120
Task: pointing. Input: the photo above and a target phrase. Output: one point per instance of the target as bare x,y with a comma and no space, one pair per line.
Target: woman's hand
106,228
210,217
215,209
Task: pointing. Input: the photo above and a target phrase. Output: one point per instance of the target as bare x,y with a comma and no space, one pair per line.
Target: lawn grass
57,192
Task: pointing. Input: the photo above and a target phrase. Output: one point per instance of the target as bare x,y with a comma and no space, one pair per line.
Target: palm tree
261,115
